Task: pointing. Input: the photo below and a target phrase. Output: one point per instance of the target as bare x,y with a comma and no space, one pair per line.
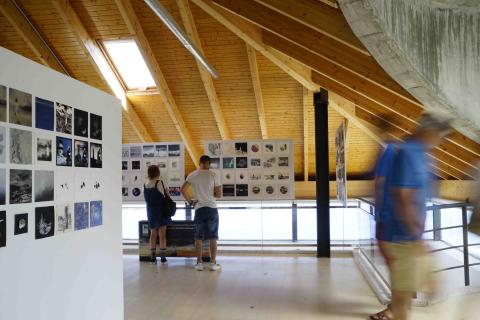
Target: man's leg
213,250
401,304
162,237
199,250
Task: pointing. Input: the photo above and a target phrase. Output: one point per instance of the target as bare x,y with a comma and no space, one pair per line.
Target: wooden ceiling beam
133,24
252,35
257,89
320,17
30,35
318,43
101,65
191,30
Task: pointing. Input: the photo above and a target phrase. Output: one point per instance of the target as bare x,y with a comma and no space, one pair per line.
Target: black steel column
188,212
294,222
322,173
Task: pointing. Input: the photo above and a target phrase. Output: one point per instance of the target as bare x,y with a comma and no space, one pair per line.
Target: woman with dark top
155,190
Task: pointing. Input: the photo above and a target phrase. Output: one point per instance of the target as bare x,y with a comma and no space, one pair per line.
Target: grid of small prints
136,158
253,169
50,167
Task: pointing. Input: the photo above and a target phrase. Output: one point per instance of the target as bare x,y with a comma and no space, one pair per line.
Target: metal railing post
188,212
437,223
466,262
294,222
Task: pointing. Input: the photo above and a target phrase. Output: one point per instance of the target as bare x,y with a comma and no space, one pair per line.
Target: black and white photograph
228,163
136,178
20,146
3,229
125,179
3,104
215,163
82,185
95,126
228,148
95,155
241,176
228,190
20,107
161,150
148,151
215,149
80,123
283,162
64,152
44,222
44,185
175,178
124,165
21,224
269,176
135,151
136,165
125,192
255,176
284,189
3,144
256,190
81,153
63,118
255,148
283,176
44,149
20,186
64,217
268,147
174,164
137,192
64,185
241,190
269,162
174,150
96,213
283,148
242,162
255,162
162,163
3,186
228,176
125,152
241,148
269,189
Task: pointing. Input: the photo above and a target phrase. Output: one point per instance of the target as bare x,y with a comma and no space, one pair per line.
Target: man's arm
406,209
185,194
217,192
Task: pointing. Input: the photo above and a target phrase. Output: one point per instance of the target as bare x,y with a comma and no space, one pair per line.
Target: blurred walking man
410,189
206,187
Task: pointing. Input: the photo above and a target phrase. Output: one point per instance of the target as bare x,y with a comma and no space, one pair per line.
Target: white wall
76,275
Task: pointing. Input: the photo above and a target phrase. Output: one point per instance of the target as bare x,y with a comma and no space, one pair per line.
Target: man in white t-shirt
206,188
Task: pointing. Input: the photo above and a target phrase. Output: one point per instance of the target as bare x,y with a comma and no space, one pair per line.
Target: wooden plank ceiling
302,44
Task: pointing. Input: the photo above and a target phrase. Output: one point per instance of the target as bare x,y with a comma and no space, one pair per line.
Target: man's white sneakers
213,267
199,267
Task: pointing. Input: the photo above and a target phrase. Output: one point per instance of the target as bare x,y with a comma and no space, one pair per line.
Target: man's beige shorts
411,267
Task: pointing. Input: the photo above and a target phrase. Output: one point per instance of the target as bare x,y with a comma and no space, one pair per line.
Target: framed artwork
81,153
95,126
81,215
80,121
20,146
21,224
64,152
44,149
64,217
44,222
44,114
95,155
44,185
20,107
63,116
20,186
3,103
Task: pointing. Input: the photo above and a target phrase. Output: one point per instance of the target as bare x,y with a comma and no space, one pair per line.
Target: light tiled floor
267,288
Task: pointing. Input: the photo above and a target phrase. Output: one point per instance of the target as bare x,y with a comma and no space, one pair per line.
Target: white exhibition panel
254,169
71,274
137,157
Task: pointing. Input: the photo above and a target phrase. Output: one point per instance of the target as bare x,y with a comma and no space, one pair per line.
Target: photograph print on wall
3,104
228,190
81,153
242,162
255,176
124,165
241,148
96,126
64,217
214,163
161,151
82,185
256,190
228,176
136,165
228,163
283,161
228,148
44,222
80,123
64,152
96,213
135,151
137,192
3,229
269,189
162,164
215,149
95,155
175,191
20,146
269,162
3,144
283,148
284,190
63,114
254,148
125,152
44,149
283,176
81,215
148,151
175,178
174,164
269,176
174,150
136,178
241,190
268,147
21,224
20,186
255,162
44,185
20,107
44,114
3,186
64,185
125,192
241,176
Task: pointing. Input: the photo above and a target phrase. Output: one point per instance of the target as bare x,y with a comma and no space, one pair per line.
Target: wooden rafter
100,64
253,37
30,35
257,89
307,101
320,17
133,24
207,80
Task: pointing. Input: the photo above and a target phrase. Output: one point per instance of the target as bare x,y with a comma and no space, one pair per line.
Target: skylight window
129,63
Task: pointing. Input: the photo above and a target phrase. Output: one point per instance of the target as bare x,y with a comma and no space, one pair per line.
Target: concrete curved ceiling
430,47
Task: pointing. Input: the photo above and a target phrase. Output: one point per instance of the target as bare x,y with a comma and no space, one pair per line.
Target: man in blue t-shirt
409,187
